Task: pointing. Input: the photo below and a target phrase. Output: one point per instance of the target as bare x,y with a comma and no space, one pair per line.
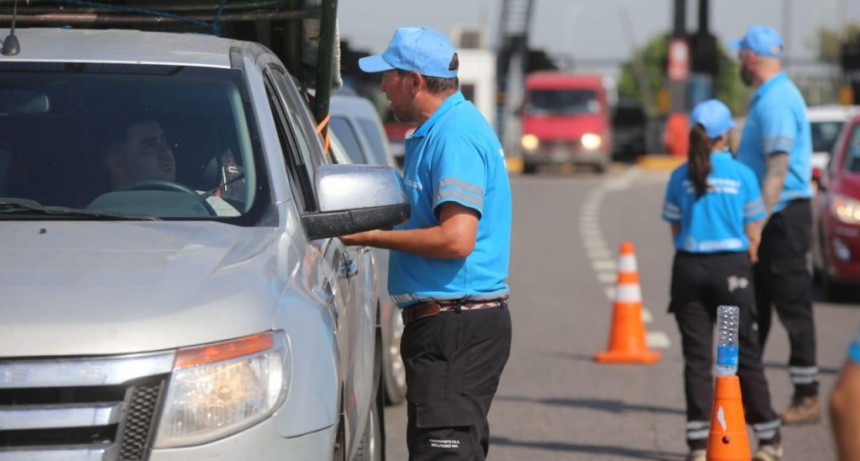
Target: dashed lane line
602,264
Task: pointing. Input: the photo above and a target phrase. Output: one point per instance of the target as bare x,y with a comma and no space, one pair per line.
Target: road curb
660,161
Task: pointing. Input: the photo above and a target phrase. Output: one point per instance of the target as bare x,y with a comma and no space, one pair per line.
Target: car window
171,142
338,153
824,135
348,138
572,101
374,137
852,157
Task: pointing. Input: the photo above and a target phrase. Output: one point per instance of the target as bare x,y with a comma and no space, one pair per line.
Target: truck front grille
81,409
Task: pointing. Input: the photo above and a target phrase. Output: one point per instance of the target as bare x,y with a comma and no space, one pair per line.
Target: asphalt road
555,402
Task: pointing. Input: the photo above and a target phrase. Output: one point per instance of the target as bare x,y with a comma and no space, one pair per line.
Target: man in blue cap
449,262
776,144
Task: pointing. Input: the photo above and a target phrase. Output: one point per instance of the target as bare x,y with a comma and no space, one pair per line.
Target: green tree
830,41
652,63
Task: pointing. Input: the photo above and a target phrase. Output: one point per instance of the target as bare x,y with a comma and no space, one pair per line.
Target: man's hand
359,239
453,238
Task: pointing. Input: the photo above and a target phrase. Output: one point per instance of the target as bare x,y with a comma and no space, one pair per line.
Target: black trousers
700,283
784,283
454,361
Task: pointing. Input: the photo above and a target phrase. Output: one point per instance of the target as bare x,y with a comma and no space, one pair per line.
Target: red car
836,232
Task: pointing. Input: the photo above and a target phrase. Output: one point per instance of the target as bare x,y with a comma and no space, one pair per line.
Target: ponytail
699,159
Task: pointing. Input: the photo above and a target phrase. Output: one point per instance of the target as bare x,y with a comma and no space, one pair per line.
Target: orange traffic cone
627,335
727,439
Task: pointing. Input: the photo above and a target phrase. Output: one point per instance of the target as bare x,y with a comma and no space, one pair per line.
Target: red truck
565,120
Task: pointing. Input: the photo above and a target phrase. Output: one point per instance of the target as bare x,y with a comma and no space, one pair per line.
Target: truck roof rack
303,33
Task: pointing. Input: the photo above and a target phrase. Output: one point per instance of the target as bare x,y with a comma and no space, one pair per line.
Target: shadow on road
610,406
588,449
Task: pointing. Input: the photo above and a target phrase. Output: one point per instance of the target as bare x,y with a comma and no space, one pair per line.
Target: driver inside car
138,151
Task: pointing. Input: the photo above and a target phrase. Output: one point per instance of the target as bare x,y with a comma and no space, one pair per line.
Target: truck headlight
845,209
590,141
530,142
219,389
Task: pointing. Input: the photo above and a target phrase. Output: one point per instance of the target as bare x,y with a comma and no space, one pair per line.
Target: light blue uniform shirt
854,349
715,222
455,156
777,122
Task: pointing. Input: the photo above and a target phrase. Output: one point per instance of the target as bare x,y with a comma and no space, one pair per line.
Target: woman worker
713,205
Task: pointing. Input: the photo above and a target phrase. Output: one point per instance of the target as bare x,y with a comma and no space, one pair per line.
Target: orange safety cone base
627,332
627,357
727,439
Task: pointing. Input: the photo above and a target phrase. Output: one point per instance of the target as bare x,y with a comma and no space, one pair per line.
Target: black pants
454,361
700,283
783,283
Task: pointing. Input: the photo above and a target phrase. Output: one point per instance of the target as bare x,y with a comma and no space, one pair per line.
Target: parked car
145,324
836,232
565,118
359,129
825,123
630,130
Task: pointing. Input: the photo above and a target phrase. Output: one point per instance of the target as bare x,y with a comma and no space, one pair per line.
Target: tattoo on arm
774,178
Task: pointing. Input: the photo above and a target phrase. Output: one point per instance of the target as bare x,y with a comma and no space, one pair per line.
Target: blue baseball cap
714,116
419,49
761,40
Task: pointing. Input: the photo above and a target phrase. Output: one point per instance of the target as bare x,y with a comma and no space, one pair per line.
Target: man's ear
418,81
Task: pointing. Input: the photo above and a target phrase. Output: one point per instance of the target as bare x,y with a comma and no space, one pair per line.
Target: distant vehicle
836,229
826,122
357,125
565,118
630,130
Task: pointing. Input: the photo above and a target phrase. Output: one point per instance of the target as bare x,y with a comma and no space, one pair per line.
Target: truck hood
558,127
85,288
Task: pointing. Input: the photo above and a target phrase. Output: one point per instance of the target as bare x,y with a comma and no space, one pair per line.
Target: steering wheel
170,186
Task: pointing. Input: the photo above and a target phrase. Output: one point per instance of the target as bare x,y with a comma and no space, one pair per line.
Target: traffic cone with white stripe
727,438
627,333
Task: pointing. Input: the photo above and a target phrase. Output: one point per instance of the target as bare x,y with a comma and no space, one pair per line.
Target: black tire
529,168
834,290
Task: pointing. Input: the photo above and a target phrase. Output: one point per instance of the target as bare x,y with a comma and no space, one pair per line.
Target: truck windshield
166,142
562,102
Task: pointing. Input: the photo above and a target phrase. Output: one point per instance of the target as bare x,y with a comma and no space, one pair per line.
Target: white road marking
657,340
602,263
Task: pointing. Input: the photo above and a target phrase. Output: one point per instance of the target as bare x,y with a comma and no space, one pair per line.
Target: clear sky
594,29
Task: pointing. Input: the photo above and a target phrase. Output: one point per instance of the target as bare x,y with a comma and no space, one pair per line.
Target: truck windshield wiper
18,209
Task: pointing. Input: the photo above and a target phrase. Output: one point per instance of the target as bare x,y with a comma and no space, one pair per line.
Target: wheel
834,290
529,168
394,372
170,186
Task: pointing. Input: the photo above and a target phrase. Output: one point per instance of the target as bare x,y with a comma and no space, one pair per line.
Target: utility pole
678,69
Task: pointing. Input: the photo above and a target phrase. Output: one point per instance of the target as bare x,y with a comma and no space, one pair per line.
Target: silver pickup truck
206,313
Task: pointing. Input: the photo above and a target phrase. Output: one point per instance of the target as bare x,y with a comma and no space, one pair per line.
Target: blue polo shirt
455,156
777,122
715,222
854,349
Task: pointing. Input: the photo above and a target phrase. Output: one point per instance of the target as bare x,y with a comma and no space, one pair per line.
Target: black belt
431,308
